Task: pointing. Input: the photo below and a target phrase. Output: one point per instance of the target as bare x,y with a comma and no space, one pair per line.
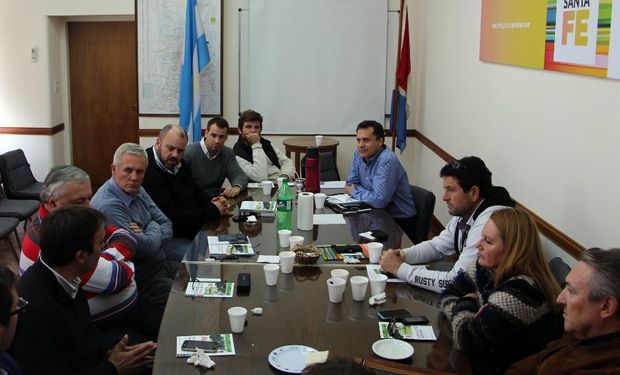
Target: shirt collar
374,157
124,197
203,145
71,287
162,166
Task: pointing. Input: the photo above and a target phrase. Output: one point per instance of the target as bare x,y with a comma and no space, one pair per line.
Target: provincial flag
195,60
398,119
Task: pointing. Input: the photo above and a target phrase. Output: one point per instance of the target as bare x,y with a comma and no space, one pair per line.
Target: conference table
295,312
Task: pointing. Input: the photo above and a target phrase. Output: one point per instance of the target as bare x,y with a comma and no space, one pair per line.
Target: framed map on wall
161,28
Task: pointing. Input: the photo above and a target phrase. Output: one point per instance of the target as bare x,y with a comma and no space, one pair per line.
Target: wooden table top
304,142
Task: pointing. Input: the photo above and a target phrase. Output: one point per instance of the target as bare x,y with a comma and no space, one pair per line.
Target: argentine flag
195,60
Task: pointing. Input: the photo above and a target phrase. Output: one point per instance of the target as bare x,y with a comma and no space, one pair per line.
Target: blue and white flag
195,60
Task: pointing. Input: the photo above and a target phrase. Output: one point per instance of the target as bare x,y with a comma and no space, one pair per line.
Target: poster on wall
572,36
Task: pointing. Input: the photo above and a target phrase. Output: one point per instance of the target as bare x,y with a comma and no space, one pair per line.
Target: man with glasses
471,199
591,320
10,307
55,334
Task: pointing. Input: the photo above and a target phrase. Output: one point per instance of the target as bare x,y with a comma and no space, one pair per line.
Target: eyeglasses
393,329
21,306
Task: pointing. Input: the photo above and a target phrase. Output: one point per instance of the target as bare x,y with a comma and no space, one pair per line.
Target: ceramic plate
290,358
392,349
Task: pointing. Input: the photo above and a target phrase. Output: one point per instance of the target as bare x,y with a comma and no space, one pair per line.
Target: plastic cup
287,260
377,284
267,185
271,274
237,318
284,235
374,251
341,274
319,200
335,288
295,240
318,139
359,284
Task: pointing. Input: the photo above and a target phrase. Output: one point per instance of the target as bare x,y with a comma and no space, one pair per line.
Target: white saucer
392,349
290,358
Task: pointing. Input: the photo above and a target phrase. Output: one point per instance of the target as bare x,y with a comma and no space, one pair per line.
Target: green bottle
285,197
284,220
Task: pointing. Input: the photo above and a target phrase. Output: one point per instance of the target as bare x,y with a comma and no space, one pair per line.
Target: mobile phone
397,314
207,346
415,320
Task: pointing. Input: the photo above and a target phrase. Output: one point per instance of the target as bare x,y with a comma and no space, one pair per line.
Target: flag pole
395,113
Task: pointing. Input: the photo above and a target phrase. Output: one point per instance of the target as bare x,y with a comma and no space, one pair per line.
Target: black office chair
425,205
9,225
18,180
20,209
329,170
560,270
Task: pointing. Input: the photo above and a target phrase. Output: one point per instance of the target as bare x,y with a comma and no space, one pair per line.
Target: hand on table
223,205
231,192
391,260
349,188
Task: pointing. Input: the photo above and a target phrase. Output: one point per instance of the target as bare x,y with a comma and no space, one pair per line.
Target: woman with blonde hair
503,308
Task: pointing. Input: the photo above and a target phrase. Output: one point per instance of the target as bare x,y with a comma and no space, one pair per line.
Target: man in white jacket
258,158
471,198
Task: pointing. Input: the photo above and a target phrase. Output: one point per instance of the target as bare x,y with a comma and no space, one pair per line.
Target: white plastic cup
319,200
374,251
318,139
284,235
335,288
267,185
359,284
237,315
341,274
377,284
271,274
295,240
287,260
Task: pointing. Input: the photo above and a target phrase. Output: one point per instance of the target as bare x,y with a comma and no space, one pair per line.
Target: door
102,73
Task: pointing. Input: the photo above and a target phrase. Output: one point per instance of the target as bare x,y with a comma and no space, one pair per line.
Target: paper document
225,247
254,185
374,269
225,344
209,290
268,259
341,198
409,332
332,184
328,219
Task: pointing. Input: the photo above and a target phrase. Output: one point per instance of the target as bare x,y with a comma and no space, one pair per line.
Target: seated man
211,162
168,180
126,204
591,321
471,198
110,289
55,334
377,177
10,308
258,158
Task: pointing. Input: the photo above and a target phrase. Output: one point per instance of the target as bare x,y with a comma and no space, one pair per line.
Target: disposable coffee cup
377,284
319,200
287,260
267,185
283,235
340,273
374,251
335,288
237,315
359,284
318,139
295,240
271,274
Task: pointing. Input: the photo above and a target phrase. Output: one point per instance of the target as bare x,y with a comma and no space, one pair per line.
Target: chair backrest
329,170
15,171
560,270
425,205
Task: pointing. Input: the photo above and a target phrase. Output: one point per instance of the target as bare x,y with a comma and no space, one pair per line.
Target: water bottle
285,197
284,220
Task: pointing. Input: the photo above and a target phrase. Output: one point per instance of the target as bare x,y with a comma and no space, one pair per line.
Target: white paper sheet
374,269
268,259
333,184
328,219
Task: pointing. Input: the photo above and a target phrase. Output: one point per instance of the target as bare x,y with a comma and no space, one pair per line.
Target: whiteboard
161,28
316,66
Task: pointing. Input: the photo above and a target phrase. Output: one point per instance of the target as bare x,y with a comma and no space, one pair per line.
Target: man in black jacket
168,180
55,334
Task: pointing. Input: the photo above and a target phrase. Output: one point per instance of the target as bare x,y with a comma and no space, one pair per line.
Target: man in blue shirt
377,177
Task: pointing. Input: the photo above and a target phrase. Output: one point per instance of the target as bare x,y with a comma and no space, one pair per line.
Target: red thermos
313,170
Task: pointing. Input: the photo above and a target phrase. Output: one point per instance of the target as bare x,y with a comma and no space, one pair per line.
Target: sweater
55,334
178,197
504,324
209,174
262,161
